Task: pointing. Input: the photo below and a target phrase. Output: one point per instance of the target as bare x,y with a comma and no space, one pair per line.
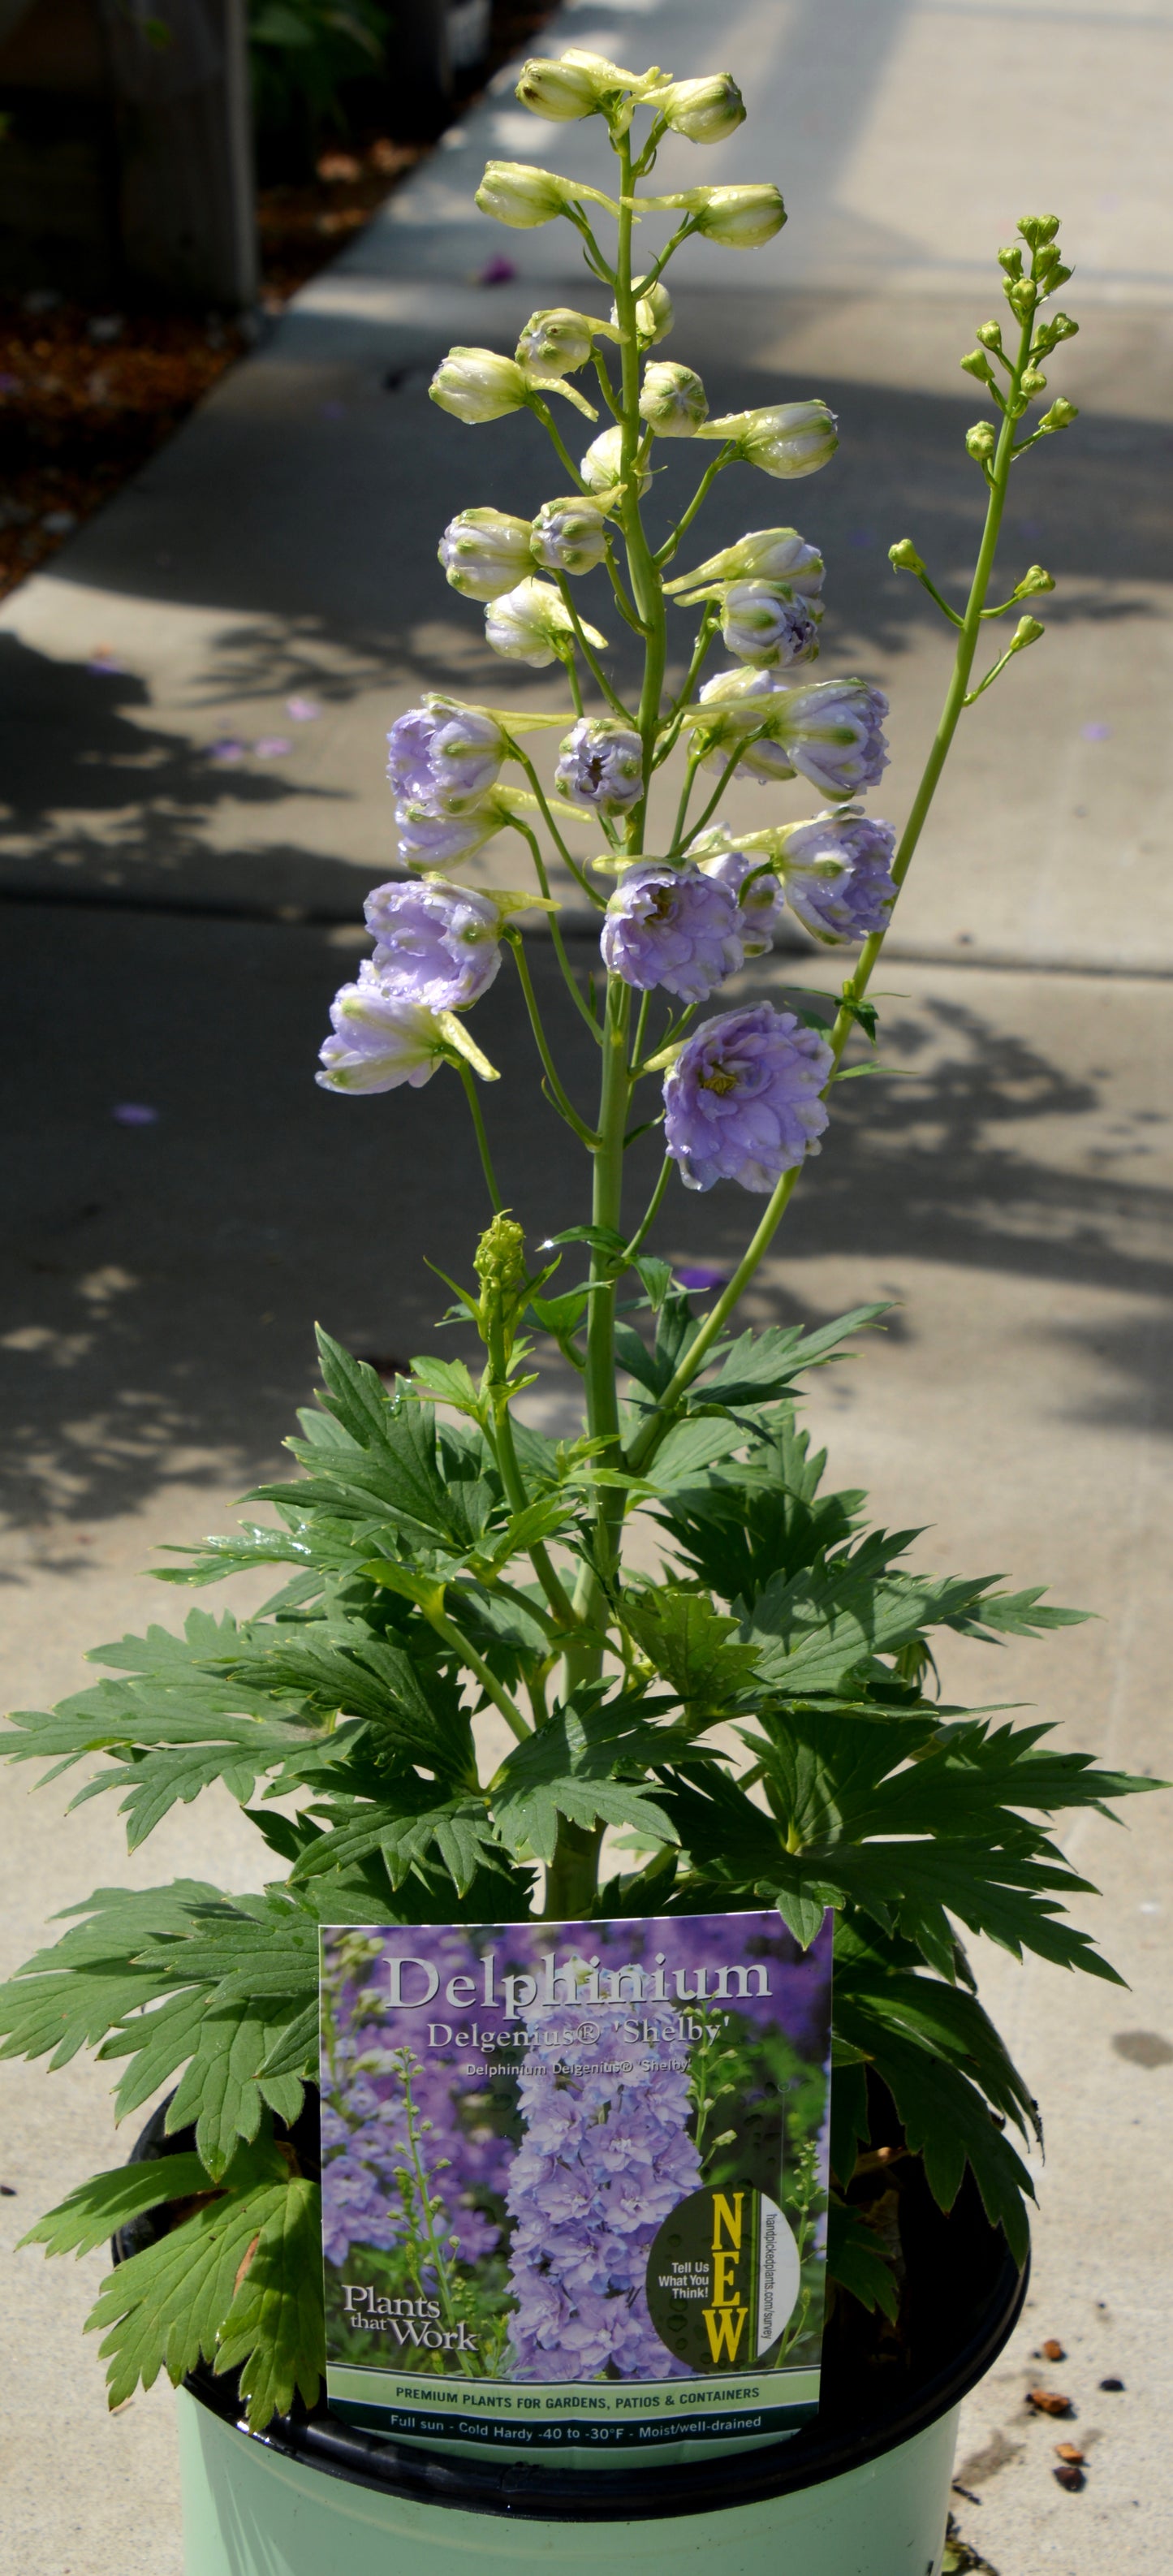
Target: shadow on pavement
162,1277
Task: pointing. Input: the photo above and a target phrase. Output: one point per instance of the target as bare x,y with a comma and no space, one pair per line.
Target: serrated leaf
89,2215
802,1914
566,1768
856,2260
691,1645
946,2120
274,2331
165,2306
767,1363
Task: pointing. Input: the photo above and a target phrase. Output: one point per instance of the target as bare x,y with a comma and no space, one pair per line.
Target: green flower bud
653,314
981,441
561,91
499,1259
1038,229
1011,260
570,535
1034,579
673,400
1032,381
1055,277
1062,327
485,552
555,343
1022,296
703,110
990,333
977,364
784,439
518,193
740,218
904,557
1027,631
1060,416
477,384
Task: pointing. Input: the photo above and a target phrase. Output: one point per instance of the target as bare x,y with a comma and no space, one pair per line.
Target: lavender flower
672,400
833,732
429,837
763,554
444,755
760,901
737,705
674,929
381,1038
837,871
601,765
768,623
439,944
742,1100
532,624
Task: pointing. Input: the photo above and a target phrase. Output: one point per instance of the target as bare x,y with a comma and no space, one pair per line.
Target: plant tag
573,2181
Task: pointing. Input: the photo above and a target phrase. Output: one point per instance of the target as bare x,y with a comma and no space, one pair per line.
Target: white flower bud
555,343
653,314
673,400
704,110
741,218
767,623
484,552
476,384
576,85
518,193
570,535
764,554
532,624
784,439
602,466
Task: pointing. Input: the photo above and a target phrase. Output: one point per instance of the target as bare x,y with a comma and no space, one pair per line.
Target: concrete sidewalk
1014,1193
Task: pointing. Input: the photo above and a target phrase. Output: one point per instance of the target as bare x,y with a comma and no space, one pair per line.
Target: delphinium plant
762,1718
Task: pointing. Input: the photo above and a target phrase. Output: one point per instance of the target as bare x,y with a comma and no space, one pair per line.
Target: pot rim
546,2492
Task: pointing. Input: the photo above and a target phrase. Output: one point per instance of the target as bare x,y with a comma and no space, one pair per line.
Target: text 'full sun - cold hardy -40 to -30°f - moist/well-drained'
757,1730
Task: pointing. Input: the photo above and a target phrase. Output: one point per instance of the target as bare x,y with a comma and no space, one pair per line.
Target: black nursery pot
862,2491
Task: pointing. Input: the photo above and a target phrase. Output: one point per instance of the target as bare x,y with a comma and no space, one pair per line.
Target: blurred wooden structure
127,160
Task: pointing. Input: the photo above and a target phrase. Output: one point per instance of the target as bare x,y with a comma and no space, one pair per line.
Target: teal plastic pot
845,2497
861,2491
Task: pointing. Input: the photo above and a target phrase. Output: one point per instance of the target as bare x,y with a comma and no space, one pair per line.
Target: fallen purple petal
272,746
134,1113
226,752
303,710
1096,732
496,272
106,665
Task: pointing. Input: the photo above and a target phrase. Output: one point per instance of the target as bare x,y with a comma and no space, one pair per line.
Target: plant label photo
574,2180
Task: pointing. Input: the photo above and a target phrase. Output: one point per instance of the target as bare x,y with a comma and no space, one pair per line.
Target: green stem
565,1107
589,655
542,412
469,1080
652,1431
652,1210
723,457
451,1634
514,1482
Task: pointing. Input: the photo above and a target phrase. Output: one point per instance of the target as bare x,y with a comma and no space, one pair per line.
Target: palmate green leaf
68,1996
344,1667
353,1391
813,1632
856,2260
760,1517
457,1830
767,1363
691,1446
89,2216
946,2120
223,2090
166,2306
1015,1614
275,2327
254,1544
445,1382
567,1769
692,1647
943,2020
